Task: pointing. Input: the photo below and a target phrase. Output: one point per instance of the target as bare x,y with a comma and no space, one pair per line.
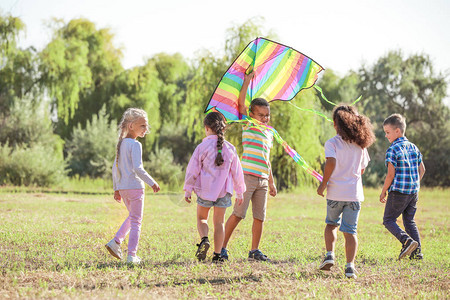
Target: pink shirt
345,183
209,181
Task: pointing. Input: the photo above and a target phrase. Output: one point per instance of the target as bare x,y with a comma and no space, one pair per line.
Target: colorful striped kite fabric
280,73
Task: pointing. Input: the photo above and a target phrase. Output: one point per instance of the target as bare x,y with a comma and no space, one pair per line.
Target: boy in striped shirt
258,176
405,170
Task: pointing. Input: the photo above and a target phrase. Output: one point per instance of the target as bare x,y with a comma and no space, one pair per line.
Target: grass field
52,245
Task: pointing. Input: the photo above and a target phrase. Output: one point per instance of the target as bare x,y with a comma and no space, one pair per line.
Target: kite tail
297,158
289,150
323,96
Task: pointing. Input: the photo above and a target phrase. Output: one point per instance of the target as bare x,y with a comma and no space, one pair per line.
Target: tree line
59,107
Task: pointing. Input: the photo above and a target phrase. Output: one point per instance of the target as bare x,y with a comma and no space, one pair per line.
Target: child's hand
187,199
249,76
383,196
272,189
156,188
240,201
117,196
321,189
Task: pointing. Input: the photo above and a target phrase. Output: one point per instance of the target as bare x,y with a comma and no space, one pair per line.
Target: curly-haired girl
346,158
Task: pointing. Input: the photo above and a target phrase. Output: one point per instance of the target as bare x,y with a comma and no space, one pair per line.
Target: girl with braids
346,158
129,178
213,172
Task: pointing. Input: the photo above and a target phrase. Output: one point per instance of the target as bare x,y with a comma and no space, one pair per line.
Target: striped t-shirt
256,144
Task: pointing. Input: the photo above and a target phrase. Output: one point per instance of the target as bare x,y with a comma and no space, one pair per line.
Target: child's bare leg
219,228
202,220
351,246
257,229
330,235
231,224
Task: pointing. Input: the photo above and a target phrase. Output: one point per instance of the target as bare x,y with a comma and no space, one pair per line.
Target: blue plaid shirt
406,158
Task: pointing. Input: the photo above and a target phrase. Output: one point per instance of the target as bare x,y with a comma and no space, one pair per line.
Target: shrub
163,168
91,150
36,165
30,153
28,124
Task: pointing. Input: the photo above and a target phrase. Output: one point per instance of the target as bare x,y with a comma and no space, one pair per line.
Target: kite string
311,110
318,88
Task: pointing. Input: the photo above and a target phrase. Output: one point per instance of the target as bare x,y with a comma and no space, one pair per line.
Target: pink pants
134,201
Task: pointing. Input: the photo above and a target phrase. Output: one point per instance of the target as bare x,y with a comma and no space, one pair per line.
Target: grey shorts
220,202
257,190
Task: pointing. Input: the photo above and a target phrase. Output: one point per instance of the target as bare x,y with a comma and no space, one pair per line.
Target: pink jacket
209,181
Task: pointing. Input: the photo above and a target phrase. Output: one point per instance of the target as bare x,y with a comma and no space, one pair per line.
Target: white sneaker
133,260
114,249
350,272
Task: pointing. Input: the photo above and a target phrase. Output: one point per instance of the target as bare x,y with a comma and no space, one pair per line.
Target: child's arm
192,172
387,182
241,100
138,167
272,187
330,164
421,170
117,196
238,178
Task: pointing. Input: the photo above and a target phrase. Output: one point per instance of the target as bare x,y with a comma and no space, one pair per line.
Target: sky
340,35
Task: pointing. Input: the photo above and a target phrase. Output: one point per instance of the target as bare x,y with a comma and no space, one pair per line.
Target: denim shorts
220,202
350,214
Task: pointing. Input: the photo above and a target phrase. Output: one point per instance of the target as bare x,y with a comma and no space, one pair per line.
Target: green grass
52,245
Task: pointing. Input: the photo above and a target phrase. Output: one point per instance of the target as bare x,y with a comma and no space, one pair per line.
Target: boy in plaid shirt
405,170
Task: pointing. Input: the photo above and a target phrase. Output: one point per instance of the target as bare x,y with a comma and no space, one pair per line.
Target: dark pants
406,205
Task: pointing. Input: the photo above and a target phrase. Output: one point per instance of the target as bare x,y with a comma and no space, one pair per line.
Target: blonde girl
129,178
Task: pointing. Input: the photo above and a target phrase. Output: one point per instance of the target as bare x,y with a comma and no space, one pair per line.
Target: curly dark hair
216,122
353,127
258,102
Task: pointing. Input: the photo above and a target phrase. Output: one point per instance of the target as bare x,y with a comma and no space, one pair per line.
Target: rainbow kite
280,73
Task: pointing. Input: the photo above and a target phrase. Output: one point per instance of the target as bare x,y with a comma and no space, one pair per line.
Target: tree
78,68
18,67
173,71
138,87
411,87
337,89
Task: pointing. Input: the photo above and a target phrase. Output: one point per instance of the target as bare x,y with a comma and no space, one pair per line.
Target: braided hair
129,116
216,122
353,127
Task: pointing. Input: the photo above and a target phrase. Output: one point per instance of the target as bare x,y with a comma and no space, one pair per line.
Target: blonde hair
130,116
